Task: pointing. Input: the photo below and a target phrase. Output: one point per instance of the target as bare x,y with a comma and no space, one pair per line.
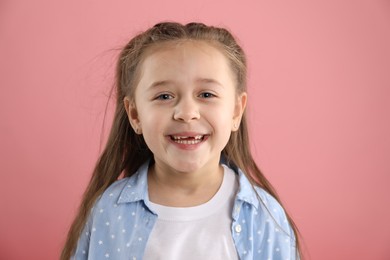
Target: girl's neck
183,189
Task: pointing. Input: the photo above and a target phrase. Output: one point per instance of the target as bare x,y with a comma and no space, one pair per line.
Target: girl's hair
126,151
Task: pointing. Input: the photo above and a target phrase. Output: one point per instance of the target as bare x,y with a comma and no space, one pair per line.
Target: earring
236,125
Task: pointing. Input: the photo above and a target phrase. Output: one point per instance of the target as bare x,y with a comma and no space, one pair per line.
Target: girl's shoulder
271,205
111,195
263,205
254,194
116,188
121,191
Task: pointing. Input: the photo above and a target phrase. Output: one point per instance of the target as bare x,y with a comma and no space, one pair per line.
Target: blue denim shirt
121,221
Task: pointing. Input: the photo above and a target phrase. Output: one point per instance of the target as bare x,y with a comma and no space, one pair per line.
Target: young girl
191,189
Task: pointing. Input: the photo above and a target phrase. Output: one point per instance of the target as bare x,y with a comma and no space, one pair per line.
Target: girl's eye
206,95
164,97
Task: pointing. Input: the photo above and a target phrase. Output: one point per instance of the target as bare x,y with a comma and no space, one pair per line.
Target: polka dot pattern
120,223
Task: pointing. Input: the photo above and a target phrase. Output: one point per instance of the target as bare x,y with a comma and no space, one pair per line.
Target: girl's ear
239,110
132,114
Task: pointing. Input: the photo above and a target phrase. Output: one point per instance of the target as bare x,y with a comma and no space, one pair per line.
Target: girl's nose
186,111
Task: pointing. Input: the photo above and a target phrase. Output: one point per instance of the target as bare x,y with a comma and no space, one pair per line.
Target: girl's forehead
184,46
186,57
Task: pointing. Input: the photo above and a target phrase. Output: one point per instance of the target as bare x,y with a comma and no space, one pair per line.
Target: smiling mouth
187,139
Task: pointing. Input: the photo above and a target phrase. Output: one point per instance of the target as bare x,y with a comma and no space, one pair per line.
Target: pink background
319,87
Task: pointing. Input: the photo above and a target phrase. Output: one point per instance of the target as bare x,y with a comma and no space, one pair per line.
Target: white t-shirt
200,232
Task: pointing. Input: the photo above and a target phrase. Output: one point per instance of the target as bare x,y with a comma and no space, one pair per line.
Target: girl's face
186,105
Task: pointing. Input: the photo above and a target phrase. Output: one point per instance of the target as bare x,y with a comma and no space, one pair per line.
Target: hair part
126,151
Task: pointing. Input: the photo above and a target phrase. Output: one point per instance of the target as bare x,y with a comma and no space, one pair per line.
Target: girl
191,189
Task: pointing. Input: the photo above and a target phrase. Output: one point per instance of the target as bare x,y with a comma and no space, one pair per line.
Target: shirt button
238,228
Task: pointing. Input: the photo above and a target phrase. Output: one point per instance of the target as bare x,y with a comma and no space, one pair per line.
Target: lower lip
188,146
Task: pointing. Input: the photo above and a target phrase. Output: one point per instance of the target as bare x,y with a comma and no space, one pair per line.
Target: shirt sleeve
82,248
280,241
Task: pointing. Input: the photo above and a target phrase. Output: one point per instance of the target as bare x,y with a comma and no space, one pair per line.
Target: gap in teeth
188,140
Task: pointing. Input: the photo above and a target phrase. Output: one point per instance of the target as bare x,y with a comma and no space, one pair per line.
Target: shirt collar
246,191
136,188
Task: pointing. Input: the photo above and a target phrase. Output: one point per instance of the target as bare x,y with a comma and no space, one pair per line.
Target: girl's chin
182,165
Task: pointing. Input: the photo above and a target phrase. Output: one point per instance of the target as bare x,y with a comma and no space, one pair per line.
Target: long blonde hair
126,151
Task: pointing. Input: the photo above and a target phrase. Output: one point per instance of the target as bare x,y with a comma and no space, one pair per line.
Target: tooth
188,139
